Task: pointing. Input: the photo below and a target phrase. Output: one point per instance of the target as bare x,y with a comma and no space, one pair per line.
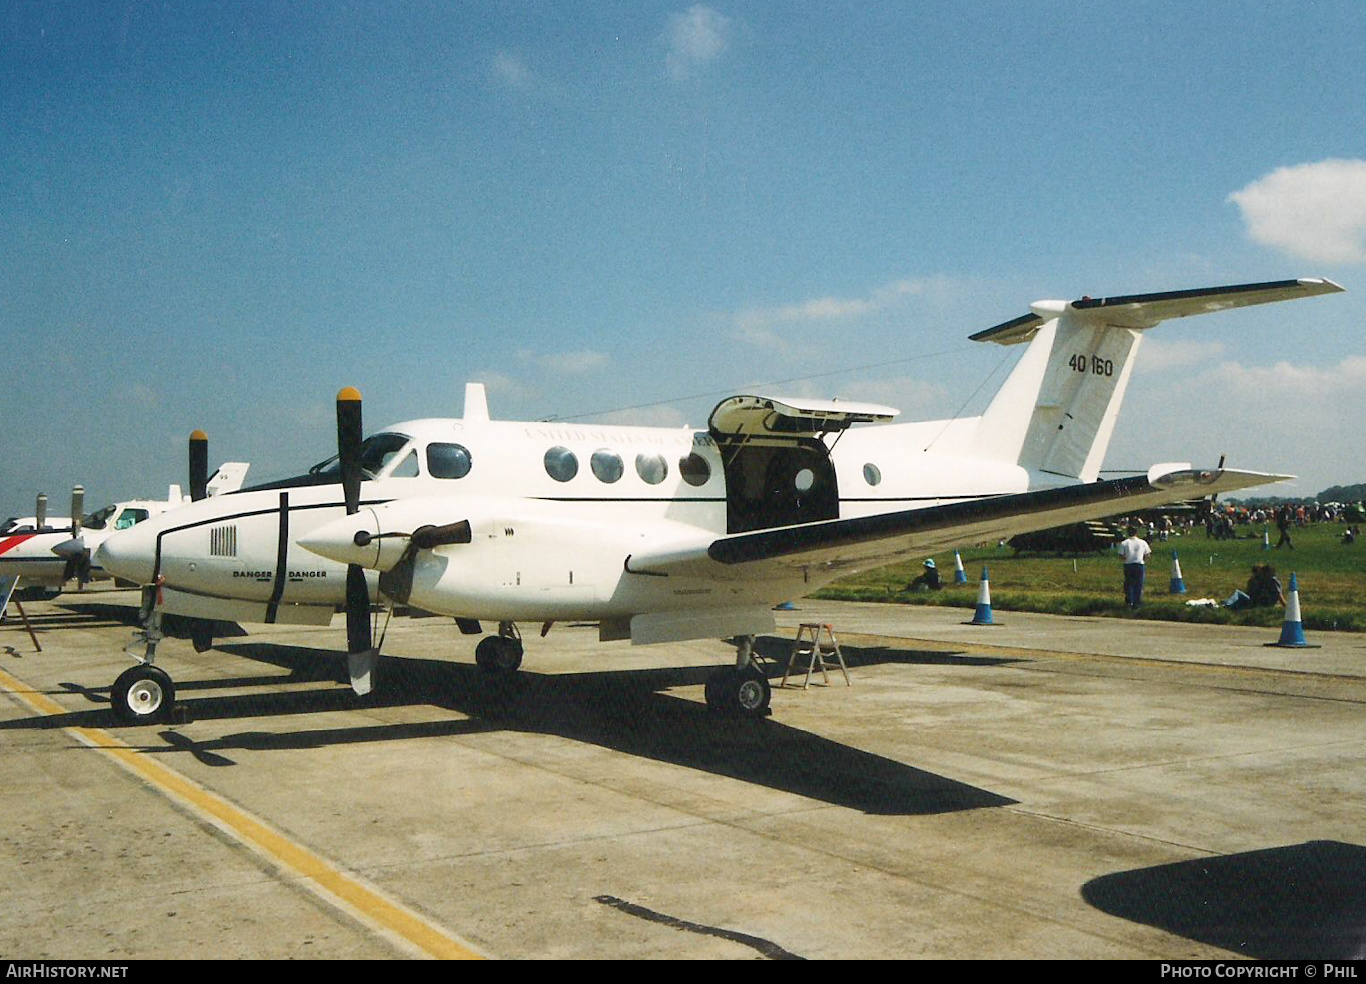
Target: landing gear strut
144,694
500,655
742,689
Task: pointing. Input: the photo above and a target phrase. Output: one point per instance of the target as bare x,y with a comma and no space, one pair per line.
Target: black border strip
1177,295
281,568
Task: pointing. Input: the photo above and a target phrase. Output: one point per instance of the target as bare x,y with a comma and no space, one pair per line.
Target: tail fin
228,478
1057,410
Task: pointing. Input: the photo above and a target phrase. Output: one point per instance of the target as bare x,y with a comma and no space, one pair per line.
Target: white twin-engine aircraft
47,552
661,535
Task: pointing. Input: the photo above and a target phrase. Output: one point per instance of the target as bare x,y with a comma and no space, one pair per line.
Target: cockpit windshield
98,520
376,451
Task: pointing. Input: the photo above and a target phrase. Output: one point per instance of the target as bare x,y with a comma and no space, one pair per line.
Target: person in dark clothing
1263,590
1284,517
928,580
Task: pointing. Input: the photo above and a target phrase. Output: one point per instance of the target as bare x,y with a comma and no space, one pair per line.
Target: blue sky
218,214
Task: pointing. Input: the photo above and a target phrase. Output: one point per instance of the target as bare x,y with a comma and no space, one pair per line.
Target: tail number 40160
1094,365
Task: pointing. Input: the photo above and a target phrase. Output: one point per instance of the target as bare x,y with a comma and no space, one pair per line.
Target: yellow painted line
347,891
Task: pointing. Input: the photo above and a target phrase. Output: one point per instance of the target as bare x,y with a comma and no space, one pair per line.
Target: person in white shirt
1134,551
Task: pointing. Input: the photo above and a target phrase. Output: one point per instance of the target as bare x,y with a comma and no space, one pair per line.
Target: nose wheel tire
746,693
143,695
499,655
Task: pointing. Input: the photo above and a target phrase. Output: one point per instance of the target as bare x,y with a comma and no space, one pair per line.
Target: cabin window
407,468
652,468
872,474
694,469
606,465
448,460
561,464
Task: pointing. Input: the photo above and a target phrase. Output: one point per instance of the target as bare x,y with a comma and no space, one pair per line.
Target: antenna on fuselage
476,403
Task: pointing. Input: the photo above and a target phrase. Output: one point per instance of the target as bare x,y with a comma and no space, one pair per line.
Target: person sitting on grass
1263,590
927,581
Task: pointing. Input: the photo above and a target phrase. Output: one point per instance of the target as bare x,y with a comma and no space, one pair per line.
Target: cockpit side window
448,460
130,517
376,451
407,468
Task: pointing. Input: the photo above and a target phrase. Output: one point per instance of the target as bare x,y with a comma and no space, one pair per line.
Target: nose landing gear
144,694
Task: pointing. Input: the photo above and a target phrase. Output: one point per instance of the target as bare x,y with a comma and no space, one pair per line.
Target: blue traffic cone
1178,584
960,576
982,616
1292,629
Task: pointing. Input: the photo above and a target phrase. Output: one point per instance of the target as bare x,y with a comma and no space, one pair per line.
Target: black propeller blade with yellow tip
201,630
361,656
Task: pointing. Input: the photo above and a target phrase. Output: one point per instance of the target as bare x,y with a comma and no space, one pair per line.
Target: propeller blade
77,509
199,465
357,610
348,445
358,637
41,511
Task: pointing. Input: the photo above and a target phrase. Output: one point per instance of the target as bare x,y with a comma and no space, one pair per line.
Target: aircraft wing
861,543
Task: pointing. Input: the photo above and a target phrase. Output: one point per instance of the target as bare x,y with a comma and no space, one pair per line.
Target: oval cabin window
561,464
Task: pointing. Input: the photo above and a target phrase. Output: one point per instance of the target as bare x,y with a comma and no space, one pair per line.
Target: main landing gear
500,655
741,689
144,694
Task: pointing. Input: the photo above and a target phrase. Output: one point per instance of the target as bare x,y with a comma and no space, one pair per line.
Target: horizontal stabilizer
1147,310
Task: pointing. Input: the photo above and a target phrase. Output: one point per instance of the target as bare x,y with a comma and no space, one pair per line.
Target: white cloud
512,71
695,37
1317,385
566,363
756,325
1157,355
1296,419
1311,211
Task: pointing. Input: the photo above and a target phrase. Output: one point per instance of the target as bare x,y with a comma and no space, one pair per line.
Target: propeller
199,465
360,654
40,512
74,551
201,629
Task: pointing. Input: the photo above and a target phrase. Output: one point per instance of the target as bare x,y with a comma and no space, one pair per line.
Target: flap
767,416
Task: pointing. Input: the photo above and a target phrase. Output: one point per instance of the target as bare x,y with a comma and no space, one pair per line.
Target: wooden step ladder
817,651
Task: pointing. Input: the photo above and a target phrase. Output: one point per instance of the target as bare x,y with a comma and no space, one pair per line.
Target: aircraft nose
129,554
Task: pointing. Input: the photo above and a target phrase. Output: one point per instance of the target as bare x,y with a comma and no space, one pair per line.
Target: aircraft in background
46,553
662,535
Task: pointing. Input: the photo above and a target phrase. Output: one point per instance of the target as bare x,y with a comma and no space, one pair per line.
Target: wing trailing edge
846,545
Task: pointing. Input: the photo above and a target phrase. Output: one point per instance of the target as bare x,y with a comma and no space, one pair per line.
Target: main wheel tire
753,693
498,654
143,695
746,693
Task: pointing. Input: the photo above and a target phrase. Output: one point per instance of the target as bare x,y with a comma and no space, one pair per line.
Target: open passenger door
777,464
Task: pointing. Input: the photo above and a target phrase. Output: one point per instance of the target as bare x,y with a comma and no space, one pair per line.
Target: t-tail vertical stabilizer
1056,412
